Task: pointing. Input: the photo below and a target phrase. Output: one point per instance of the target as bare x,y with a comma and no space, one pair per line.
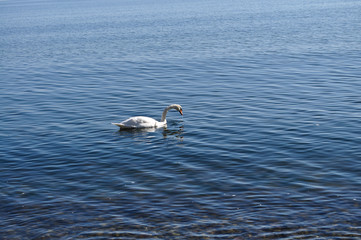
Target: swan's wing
138,122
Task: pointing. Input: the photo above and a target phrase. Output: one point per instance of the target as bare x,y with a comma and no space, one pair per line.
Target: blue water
268,147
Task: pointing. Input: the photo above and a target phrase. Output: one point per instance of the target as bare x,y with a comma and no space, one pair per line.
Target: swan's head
176,107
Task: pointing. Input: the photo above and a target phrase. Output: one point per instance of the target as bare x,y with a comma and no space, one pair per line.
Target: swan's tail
119,125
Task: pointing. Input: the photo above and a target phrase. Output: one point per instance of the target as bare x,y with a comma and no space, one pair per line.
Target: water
268,148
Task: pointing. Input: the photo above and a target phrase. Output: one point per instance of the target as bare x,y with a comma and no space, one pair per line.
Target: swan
147,122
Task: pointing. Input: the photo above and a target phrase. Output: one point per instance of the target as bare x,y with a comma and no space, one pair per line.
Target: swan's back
139,122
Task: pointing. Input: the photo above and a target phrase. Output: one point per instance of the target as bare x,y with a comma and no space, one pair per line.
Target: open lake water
269,146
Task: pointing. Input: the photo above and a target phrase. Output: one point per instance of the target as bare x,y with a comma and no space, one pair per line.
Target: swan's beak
181,112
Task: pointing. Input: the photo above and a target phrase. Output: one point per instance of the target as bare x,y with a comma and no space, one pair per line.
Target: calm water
268,148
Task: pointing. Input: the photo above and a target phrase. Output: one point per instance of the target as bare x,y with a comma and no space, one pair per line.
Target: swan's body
140,122
147,122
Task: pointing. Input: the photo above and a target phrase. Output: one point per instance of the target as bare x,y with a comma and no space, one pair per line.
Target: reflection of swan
135,131
147,122
177,133
139,134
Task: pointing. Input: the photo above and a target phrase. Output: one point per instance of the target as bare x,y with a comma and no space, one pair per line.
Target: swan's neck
164,115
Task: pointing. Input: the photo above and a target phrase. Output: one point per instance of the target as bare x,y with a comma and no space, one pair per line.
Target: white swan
147,122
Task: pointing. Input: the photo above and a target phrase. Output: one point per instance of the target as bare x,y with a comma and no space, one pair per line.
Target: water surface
268,148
